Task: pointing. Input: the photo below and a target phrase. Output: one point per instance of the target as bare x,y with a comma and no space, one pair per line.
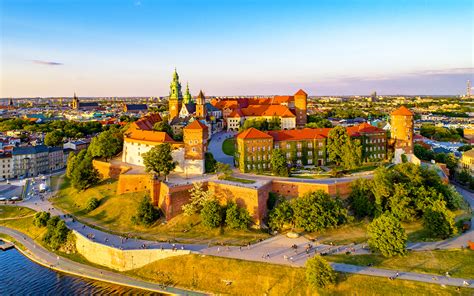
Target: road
215,147
43,257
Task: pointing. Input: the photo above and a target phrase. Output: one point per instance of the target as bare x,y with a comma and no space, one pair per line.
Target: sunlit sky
329,47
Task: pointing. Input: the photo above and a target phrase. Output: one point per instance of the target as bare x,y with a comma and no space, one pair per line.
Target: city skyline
253,48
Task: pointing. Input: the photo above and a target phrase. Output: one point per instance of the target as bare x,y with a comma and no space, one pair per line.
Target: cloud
47,63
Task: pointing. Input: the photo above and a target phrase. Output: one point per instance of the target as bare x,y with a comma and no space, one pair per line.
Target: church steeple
75,102
187,98
201,111
175,96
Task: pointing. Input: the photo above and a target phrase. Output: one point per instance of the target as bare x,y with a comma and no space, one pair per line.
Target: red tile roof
267,110
301,134
355,131
147,122
142,130
253,133
236,113
196,124
402,111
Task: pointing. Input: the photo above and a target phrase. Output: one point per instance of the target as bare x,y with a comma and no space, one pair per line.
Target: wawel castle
197,119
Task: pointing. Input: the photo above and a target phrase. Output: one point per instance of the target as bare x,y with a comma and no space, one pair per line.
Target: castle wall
133,183
297,189
120,260
108,170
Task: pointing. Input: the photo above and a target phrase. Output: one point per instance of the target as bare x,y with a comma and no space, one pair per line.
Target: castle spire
187,98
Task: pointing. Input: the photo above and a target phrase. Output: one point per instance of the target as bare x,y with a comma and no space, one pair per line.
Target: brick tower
195,137
175,97
201,105
301,99
402,129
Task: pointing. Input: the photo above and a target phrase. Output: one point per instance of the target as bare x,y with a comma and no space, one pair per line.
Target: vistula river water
20,276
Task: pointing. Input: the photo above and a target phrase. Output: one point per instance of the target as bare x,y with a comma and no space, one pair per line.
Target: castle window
310,161
320,144
194,149
287,146
320,153
298,145
249,158
298,154
288,154
310,145
310,153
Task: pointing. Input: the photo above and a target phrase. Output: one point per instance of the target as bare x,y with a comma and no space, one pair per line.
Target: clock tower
175,97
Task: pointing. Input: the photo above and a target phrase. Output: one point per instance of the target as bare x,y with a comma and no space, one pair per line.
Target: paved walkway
43,257
215,147
278,250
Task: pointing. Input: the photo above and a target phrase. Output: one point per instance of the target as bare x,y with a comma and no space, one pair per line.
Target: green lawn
459,263
14,211
238,180
228,146
212,274
115,211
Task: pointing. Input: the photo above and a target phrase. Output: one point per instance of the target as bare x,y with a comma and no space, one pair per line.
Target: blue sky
130,47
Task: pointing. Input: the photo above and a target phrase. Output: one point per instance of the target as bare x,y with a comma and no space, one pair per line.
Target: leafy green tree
316,211
319,273
209,162
198,198
423,153
439,221
464,148
41,219
452,163
211,214
279,163
159,160
351,154
147,214
92,204
464,176
71,164
280,215
163,126
54,138
84,175
237,217
337,139
387,236
56,233
107,144
362,199
402,204
315,121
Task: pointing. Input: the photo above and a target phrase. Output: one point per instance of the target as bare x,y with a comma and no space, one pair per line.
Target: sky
259,47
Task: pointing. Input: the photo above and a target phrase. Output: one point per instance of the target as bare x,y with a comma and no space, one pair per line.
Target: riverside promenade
50,260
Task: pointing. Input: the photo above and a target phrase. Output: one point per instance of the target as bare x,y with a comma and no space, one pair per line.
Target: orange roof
301,134
253,133
236,113
142,130
147,122
196,124
403,111
267,110
223,104
355,131
301,93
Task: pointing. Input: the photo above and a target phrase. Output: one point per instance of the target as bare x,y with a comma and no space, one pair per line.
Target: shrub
236,217
282,214
56,234
92,204
211,214
210,162
319,273
147,214
439,221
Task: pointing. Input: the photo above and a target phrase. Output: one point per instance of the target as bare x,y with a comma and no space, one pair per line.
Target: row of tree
57,234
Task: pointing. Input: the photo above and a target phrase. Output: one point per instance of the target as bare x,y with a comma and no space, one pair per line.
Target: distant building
135,108
467,161
77,145
55,158
6,166
30,161
84,106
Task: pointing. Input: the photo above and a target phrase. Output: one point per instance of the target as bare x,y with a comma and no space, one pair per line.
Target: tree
147,214
315,121
337,139
159,160
362,199
209,162
464,176
107,144
92,204
319,273
211,214
280,215
236,217
199,197
84,175
163,126
464,148
56,233
351,154
71,164
439,221
54,138
316,211
279,163
387,235
452,163
41,219
223,169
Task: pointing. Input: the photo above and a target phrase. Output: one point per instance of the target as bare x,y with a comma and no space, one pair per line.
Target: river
20,276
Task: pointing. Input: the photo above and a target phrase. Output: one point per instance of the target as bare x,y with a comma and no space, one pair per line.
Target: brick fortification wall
296,189
133,183
108,170
120,260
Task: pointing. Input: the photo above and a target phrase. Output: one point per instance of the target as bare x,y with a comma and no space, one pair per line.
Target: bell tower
175,97
75,102
301,99
401,130
195,137
201,105
187,98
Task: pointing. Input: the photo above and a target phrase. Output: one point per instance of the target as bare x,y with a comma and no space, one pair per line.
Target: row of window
380,140
375,148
